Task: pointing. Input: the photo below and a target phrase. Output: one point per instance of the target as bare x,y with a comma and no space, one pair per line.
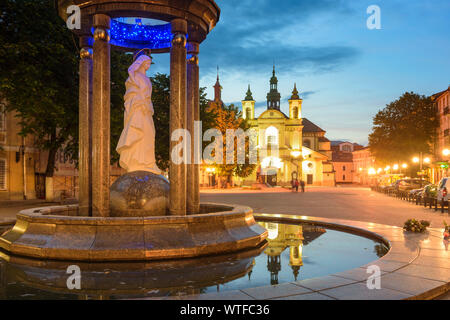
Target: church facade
289,146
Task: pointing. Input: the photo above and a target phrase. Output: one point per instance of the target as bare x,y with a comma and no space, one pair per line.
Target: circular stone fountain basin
59,233
293,251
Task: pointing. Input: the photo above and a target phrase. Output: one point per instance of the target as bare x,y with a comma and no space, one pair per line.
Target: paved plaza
351,203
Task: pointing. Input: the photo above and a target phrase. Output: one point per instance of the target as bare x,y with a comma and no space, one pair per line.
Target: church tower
295,105
273,97
217,89
248,106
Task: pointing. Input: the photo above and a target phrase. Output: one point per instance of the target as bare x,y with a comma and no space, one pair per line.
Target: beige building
288,145
18,160
441,165
20,157
343,160
363,162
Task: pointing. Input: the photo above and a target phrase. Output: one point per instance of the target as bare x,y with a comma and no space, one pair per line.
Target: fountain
141,218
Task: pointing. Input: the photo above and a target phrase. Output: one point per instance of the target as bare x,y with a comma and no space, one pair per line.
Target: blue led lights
139,35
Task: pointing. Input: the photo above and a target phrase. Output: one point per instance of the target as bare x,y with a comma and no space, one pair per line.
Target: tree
39,60
403,128
230,118
39,79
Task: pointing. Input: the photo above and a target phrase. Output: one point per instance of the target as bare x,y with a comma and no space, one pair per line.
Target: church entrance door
272,180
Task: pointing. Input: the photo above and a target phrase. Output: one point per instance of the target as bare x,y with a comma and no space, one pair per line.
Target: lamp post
295,154
421,160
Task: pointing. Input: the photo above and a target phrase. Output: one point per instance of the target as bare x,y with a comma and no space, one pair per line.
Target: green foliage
226,118
414,225
39,78
403,128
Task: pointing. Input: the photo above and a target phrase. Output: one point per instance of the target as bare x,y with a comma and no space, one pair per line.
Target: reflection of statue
137,142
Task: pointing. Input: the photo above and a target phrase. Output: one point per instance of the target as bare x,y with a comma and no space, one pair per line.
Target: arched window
271,136
295,113
248,113
307,143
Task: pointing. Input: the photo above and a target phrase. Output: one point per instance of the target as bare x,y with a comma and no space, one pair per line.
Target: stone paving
352,203
416,267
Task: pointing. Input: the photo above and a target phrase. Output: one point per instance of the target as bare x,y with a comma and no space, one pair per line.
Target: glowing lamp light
360,169
295,153
271,162
210,169
372,171
446,152
416,159
404,166
427,160
395,167
387,168
379,170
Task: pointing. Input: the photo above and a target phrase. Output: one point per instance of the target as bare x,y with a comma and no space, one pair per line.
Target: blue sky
345,72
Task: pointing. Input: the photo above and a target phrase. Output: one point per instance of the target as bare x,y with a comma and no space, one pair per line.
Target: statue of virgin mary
137,142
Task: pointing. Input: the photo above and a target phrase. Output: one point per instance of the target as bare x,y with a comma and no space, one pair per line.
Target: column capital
102,24
86,47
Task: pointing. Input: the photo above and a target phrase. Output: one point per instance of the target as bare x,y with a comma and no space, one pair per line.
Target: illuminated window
2,174
271,136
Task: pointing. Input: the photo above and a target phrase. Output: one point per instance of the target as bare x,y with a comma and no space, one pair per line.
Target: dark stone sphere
139,194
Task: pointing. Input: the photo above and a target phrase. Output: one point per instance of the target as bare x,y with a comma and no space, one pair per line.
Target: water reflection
292,252
283,236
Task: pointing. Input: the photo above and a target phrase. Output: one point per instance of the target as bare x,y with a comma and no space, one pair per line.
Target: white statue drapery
137,142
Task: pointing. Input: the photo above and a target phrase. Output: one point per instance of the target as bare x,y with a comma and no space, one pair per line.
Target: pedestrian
292,185
296,185
302,184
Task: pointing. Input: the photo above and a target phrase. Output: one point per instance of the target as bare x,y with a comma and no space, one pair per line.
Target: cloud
251,34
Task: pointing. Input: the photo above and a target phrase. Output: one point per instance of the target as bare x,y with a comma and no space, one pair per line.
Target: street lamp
296,154
404,166
446,152
421,160
395,167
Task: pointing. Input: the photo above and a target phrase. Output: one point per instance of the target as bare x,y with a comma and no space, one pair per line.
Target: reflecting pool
292,252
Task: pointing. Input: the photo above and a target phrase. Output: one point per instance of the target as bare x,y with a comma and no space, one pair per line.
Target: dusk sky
345,72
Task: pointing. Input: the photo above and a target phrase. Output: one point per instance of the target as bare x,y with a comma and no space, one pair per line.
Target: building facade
363,162
343,160
18,160
23,165
441,165
289,146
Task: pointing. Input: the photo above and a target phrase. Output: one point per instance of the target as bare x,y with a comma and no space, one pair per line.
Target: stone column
193,114
85,127
177,172
101,117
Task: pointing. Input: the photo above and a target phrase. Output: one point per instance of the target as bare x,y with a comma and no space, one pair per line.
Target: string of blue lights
140,35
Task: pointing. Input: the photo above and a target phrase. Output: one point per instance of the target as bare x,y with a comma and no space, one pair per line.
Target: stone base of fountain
59,233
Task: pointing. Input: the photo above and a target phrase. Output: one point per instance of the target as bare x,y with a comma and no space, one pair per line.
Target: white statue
137,142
